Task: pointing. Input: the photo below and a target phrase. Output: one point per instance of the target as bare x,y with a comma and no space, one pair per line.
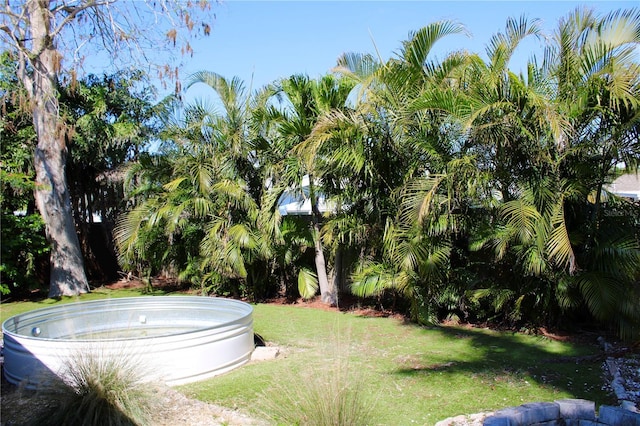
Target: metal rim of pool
178,339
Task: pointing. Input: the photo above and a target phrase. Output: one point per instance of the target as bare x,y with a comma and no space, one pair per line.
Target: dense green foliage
23,251
454,188
111,118
112,121
24,246
460,186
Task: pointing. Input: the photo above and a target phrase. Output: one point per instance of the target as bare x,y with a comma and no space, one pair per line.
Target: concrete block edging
565,412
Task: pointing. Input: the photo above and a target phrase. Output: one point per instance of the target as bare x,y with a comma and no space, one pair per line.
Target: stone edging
618,385
566,412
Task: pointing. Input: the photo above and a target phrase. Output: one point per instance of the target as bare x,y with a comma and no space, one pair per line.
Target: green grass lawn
409,374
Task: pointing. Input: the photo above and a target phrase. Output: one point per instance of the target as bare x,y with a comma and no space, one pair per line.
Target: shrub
24,250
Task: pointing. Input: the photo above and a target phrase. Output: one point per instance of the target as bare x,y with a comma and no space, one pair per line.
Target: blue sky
261,41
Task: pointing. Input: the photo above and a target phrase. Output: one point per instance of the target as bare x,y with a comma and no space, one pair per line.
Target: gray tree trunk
328,292
51,193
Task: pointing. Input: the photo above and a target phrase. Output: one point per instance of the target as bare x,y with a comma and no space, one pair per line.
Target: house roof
627,182
627,185
302,207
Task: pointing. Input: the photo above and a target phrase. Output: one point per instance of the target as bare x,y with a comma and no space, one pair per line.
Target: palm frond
601,293
559,244
231,92
357,65
416,50
420,197
372,279
307,283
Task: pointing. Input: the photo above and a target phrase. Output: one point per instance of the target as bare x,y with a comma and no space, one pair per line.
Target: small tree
49,38
112,118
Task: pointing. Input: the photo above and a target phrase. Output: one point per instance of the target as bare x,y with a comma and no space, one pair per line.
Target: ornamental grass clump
99,391
332,395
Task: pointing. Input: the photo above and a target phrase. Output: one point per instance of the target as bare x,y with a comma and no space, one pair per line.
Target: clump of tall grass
330,395
99,390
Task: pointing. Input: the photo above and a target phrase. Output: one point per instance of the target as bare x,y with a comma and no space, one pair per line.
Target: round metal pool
180,339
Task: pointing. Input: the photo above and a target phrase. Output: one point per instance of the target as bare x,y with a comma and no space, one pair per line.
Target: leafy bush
24,249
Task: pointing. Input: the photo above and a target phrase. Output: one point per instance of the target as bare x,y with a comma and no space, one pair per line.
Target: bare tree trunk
51,193
328,292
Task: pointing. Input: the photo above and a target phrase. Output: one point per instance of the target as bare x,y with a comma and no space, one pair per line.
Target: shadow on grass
502,361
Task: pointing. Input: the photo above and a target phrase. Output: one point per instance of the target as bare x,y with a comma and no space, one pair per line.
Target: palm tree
205,205
299,103
413,255
594,64
510,126
555,138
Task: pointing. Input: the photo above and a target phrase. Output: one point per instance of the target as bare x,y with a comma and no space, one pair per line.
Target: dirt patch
157,283
347,303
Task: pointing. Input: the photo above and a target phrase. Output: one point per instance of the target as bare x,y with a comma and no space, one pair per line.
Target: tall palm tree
510,127
411,258
205,206
594,65
562,132
299,104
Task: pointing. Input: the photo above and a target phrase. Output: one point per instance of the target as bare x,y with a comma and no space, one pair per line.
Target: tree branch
15,19
74,11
